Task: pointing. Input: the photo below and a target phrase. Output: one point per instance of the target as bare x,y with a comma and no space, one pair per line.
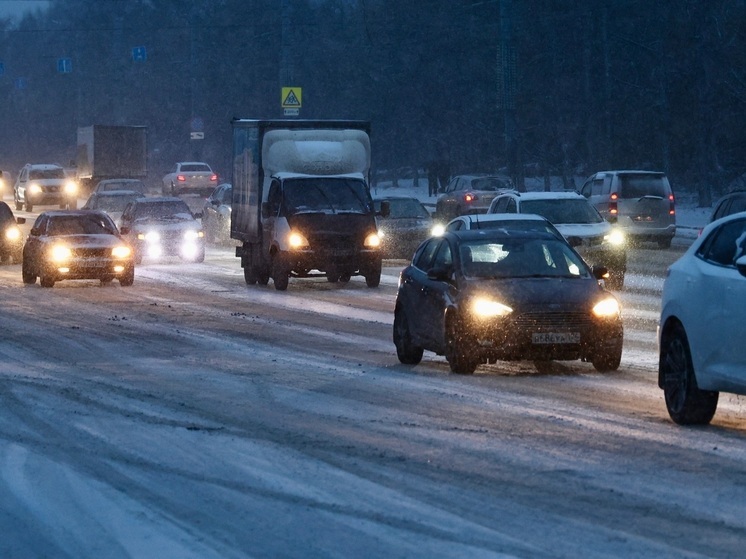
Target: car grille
585,241
553,319
92,252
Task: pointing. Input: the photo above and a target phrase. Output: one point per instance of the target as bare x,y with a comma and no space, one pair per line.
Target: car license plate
556,338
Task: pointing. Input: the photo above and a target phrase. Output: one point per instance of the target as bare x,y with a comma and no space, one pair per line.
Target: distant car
216,215
107,185
76,244
640,202
112,202
522,222
39,185
11,239
731,203
469,194
190,177
406,226
598,241
479,296
163,226
702,323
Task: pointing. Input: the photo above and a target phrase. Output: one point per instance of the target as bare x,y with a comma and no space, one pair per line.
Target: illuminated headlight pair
483,307
615,237
61,253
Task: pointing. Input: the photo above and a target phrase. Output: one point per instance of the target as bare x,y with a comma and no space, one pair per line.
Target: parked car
591,235
216,215
469,194
702,326
479,296
405,227
640,202
162,226
39,185
112,202
11,239
507,222
107,185
190,177
731,203
76,244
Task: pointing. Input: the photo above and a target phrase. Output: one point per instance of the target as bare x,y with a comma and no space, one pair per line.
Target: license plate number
556,338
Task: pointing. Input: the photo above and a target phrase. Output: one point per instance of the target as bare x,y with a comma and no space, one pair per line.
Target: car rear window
195,168
563,210
637,186
490,184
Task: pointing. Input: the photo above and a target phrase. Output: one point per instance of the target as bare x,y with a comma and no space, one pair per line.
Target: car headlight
149,237
372,241
34,188
438,230
192,235
296,240
13,233
61,253
607,308
484,307
121,252
70,188
615,237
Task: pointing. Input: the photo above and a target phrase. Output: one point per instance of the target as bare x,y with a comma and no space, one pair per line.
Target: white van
641,202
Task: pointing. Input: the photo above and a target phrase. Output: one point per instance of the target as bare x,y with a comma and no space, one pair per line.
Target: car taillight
180,178
671,209
470,197
214,178
613,208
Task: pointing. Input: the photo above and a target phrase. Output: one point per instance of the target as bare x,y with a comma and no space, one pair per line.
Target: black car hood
555,293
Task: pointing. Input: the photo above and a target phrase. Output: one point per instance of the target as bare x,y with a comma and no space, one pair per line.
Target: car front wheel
686,403
407,352
28,276
608,359
459,352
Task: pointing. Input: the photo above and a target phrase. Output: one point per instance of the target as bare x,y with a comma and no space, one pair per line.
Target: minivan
641,202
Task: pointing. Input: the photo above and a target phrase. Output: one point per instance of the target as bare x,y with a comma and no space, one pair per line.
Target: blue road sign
64,65
139,54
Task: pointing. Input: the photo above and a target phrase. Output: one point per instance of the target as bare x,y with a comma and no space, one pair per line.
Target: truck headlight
70,188
61,253
372,241
296,240
484,307
121,252
192,235
34,188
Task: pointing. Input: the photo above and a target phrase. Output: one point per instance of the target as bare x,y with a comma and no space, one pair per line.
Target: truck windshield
326,195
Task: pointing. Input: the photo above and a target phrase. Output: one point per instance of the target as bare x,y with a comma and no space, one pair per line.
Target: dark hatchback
11,239
480,296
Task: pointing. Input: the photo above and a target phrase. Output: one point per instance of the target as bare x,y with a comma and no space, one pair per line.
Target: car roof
474,218
497,235
542,195
107,181
102,193
43,166
72,213
157,199
191,163
396,197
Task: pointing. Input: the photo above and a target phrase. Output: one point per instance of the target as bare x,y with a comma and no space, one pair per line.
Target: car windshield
520,258
515,224
40,174
92,224
563,210
176,210
404,208
637,186
490,184
325,195
113,203
195,168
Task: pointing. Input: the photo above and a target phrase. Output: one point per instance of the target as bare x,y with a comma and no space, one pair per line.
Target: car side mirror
612,219
20,220
741,265
439,273
124,229
385,210
600,272
197,215
35,232
215,202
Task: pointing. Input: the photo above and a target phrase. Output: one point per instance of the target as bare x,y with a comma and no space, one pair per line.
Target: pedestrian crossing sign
291,97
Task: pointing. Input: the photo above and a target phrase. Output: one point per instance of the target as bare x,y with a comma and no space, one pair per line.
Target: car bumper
90,269
301,261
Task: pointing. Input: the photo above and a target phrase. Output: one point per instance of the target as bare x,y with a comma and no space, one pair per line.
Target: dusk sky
16,8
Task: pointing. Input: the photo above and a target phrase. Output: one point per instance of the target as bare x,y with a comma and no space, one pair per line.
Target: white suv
585,229
44,185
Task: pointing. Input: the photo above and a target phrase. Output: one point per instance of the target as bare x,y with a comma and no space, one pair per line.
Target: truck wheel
249,275
29,206
373,279
19,206
280,273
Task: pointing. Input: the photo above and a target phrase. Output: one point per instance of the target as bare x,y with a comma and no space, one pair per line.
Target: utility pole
286,49
506,90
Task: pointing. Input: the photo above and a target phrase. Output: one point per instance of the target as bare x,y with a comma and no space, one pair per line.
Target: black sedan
76,244
405,227
480,296
11,239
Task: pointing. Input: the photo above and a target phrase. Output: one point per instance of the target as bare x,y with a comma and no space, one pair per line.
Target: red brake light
180,178
671,210
613,208
470,197
214,178
614,196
